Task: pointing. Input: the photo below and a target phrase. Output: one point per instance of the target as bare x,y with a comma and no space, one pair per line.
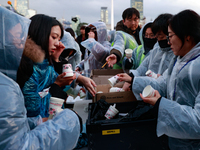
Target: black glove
128,64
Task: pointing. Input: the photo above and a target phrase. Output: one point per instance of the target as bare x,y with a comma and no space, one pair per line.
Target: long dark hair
186,23
40,30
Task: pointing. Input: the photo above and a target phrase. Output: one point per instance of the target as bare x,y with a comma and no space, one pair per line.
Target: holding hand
124,77
63,81
112,59
59,49
151,100
91,35
88,83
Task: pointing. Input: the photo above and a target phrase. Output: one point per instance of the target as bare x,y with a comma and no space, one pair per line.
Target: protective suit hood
101,31
68,41
13,34
141,33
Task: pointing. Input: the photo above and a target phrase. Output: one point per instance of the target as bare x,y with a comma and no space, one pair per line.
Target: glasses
168,37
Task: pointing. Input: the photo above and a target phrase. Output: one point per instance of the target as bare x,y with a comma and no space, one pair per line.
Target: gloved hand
128,64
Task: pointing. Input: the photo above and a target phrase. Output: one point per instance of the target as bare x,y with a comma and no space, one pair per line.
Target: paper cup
67,68
151,74
116,89
113,80
55,104
148,91
111,112
82,94
128,53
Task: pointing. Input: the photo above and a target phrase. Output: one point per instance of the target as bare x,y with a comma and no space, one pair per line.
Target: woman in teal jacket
19,132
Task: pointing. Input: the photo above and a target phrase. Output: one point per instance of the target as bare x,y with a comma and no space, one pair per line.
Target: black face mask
163,43
148,44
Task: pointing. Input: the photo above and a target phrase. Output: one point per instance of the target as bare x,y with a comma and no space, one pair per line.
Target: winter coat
17,132
178,114
99,50
34,75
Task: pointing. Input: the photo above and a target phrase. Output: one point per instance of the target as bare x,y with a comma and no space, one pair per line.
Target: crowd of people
33,52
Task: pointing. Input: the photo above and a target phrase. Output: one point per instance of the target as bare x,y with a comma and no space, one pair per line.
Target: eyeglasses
168,37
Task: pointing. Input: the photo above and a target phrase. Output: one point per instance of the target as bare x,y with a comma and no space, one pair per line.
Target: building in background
104,14
22,7
138,4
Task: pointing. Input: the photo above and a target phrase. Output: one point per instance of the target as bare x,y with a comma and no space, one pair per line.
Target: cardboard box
113,97
113,134
103,72
101,76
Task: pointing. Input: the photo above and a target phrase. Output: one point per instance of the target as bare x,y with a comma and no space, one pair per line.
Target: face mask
163,43
149,43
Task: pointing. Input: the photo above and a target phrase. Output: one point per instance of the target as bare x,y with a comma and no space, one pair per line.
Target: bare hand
56,54
77,69
126,86
44,119
158,75
88,83
91,35
124,77
63,81
112,59
151,100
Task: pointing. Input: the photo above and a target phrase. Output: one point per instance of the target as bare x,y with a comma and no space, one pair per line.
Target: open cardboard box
101,76
114,97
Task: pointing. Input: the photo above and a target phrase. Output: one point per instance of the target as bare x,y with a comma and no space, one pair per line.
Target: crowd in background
33,52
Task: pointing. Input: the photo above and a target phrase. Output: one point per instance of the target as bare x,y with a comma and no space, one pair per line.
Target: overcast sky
89,10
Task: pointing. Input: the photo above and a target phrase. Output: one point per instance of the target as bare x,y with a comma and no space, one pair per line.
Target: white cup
111,112
128,53
116,89
113,80
151,74
148,91
55,104
67,68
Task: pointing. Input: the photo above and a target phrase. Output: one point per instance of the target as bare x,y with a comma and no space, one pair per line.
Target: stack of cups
148,91
151,74
67,68
111,112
